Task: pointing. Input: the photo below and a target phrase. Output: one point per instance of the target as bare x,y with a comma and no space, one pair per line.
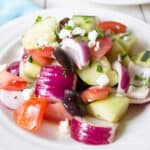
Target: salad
79,72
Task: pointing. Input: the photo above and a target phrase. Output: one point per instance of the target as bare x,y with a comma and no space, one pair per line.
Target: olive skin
63,59
73,104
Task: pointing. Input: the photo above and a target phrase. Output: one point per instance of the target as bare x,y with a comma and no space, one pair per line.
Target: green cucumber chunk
143,59
111,108
127,40
92,73
31,69
88,23
40,33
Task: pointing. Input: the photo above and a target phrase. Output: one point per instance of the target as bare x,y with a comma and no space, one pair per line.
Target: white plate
135,130
121,2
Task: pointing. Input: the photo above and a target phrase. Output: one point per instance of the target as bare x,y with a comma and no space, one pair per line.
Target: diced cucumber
85,22
31,69
40,34
113,77
143,59
111,108
117,50
127,40
92,73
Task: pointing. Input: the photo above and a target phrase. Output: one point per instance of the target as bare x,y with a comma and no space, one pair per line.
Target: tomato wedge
9,81
56,112
43,56
105,46
29,116
112,26
95,93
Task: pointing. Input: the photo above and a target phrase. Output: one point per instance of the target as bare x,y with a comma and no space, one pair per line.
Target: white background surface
139,11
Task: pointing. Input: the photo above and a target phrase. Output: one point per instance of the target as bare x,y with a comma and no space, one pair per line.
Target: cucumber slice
127,40
143,59
111,109
31,69
93,73
88,23
117,50
40,34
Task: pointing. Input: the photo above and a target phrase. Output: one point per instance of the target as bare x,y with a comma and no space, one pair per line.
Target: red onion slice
124,78
92,131
13,68
78,51
53,81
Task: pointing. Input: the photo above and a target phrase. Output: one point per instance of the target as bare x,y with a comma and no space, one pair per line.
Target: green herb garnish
38,19
30,59
100,32
68,27
99,68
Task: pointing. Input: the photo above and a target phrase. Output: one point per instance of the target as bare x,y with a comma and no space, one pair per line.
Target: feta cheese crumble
78,31
103,80
27,93
92,36
70,23
97,47
64,34
64,126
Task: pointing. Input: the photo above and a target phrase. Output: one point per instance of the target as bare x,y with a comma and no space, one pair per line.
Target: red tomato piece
95,93
105,46
43,56
112,26
9,81
56,112
29,116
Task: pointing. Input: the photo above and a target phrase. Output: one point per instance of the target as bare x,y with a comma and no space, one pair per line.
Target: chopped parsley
99,68
38,19
143,81
68,27
100,32
30,59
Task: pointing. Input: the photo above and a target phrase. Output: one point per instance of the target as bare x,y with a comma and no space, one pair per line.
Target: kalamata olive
63,59
63,22
13,68
73,104
81,86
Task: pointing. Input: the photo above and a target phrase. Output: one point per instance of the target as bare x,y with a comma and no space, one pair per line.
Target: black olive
73,104
81,85
63,59
63,22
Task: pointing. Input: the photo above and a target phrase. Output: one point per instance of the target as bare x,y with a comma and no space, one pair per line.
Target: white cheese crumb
91,44
64,126
92,36
78,31
70,23
42,43
126,38
54,44
27,93
103,80
97,47
3,67
64,34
